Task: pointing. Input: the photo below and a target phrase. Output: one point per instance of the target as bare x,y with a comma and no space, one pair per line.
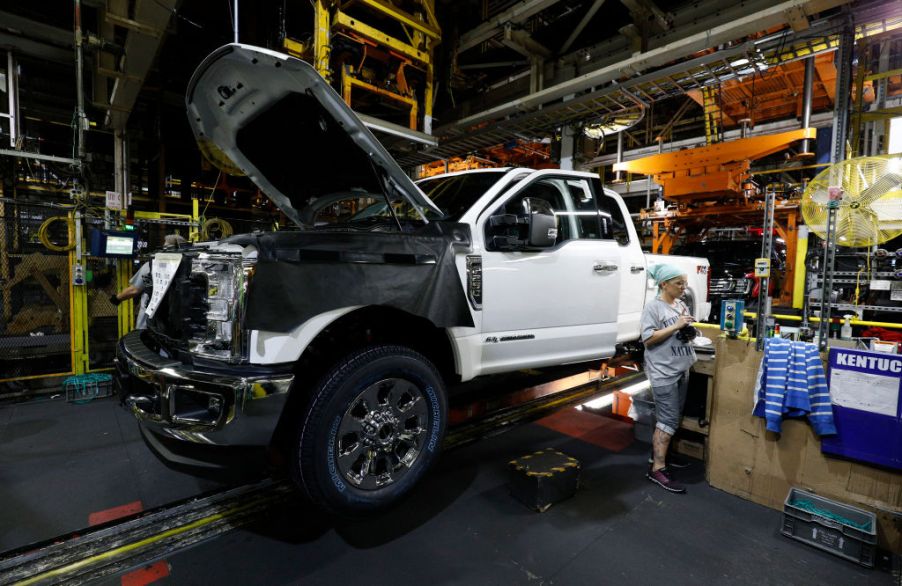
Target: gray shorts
669,401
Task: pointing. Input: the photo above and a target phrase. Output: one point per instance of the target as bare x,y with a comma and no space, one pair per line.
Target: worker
141,282
667,332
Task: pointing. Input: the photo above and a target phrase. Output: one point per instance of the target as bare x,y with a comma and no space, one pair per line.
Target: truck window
584,209
612,221
573,204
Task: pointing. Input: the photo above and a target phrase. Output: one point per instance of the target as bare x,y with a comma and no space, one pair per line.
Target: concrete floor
60,463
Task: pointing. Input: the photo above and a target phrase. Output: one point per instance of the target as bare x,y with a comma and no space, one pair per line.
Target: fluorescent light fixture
739,62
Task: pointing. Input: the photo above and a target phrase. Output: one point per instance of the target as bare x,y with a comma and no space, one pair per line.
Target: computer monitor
119,245
115,244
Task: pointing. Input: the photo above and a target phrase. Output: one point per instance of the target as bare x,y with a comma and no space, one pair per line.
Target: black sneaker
663,479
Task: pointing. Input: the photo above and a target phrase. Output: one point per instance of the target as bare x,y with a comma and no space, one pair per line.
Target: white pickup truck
338,340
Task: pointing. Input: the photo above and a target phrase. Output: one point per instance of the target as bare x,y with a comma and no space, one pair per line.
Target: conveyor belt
133,541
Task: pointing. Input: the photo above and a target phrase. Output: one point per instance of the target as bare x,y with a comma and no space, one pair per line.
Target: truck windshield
453,194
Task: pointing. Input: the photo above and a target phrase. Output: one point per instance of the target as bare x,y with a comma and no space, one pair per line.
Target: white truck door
632,261
555,305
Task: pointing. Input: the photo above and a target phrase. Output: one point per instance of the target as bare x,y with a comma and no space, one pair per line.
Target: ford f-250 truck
340,340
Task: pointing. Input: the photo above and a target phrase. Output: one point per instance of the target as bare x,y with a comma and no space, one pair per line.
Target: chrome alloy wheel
381,434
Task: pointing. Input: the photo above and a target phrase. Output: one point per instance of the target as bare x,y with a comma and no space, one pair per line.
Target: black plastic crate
840,529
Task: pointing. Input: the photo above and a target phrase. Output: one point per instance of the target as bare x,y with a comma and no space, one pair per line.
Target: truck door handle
636,269
602,268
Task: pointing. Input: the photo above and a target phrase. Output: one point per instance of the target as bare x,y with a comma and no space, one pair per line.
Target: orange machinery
710,186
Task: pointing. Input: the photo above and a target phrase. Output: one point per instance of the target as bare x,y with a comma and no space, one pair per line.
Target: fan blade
887,183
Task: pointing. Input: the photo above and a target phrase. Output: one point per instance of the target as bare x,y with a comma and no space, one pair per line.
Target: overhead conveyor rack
604,91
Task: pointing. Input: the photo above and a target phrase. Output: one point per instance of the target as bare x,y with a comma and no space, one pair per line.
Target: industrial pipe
79,85
806,102
618,175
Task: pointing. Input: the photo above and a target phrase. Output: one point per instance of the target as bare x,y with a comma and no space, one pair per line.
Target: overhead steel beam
522,43
494,25
41,49
648,8
39,157
396,130
141,46
491,64
752,23
38,31
582,24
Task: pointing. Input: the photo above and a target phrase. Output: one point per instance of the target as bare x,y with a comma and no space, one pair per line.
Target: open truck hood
272,117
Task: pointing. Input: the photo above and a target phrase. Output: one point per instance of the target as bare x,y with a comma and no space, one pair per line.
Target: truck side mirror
541,223
533,228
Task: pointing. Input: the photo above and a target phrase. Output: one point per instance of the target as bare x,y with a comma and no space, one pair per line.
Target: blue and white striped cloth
792,383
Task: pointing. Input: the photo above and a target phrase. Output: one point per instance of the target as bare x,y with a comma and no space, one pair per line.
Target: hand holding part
683,321
115,300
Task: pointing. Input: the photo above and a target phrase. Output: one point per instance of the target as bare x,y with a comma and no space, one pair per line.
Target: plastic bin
82,388
837,536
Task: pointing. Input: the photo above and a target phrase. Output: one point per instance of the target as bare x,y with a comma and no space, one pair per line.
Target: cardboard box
746,460
689,448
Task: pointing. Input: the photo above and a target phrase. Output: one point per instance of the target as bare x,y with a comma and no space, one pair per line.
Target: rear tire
373,427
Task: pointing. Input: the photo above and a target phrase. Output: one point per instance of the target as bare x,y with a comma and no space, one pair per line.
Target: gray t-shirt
665,362
142,280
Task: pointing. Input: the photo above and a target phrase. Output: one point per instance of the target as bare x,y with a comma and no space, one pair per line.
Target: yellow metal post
126,312
193,234
78,306
427,101
321,43
712,114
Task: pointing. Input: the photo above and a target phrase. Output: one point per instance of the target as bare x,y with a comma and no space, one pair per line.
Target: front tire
373,427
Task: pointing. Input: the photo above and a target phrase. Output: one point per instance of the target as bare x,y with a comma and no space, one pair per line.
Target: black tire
373,427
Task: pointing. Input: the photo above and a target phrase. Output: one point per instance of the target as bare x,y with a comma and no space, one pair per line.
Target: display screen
119,245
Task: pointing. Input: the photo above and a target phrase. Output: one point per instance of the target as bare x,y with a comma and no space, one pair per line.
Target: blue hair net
664,272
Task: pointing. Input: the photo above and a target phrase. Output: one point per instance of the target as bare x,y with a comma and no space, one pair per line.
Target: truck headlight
226,282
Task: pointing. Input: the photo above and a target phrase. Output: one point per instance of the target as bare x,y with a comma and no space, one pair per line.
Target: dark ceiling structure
505,71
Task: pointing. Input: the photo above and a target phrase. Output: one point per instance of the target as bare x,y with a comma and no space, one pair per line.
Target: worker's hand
683,321
115,300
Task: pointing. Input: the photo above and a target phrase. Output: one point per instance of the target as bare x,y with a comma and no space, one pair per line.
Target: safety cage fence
35,322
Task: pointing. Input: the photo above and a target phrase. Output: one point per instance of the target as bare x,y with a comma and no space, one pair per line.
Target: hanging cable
44,237
215,225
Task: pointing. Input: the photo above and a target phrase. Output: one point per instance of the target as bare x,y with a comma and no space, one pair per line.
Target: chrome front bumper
176,401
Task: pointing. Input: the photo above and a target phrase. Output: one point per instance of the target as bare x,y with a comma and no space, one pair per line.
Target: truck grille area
725,286
182,312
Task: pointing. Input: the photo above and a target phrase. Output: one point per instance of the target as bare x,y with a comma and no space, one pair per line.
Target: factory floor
65,467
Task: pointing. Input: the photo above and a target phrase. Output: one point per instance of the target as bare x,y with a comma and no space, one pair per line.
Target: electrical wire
216,224
44,237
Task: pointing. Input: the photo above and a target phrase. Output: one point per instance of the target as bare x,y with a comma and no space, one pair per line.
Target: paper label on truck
163,269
